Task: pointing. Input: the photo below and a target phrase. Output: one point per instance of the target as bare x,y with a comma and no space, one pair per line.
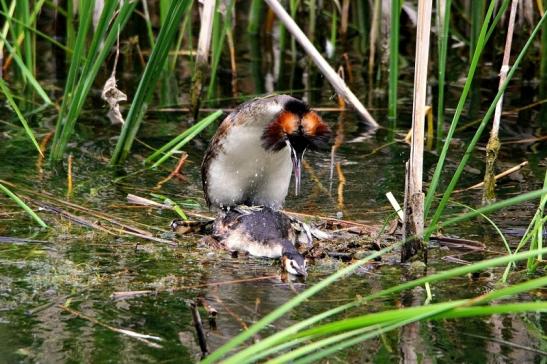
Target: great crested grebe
261,232
250,159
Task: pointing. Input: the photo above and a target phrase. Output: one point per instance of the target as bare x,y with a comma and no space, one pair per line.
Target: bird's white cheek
290,269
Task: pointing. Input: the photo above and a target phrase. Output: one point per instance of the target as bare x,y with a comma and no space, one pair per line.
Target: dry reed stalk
202,55
135,335
233,63
493,146
341,184
414,197
329,73
121,295
344,20
496,177
69,176
374,28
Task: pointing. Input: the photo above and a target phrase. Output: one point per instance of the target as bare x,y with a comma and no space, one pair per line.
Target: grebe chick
261,232
256,148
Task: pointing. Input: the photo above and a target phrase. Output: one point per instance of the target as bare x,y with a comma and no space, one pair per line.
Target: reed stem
394,58
414,196
329,73
443,26
493,146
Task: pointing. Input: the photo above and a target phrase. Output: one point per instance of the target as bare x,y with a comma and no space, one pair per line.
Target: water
81,267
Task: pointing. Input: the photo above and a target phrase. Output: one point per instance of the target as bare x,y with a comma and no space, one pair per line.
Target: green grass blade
287,306
456,312
23,205
149,79
278,337
75,64
91,68
442,49
401,314
26,72
393,59
480,129
280,311
5,90
317,345
391,319
190,134
459,109
34,30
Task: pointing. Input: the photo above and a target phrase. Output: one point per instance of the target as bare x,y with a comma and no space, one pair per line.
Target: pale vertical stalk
493,146
374,27
414,215
329,73
204,40
202,54
344,21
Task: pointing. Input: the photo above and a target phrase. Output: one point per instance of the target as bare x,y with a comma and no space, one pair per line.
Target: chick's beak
297,169
301,271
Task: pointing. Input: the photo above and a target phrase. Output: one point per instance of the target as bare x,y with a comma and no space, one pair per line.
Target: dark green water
82,267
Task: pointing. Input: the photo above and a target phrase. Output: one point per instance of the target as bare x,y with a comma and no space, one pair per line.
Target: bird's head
294,263
299,128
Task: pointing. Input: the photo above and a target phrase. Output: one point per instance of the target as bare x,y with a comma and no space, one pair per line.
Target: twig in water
129,294
69,176
496,177
196,318
135,335
341,184
176,172
115,231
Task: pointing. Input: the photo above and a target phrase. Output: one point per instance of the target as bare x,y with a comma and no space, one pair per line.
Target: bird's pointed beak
297,169
301,271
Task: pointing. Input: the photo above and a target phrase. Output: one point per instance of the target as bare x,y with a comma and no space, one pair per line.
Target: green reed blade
280,336
459,109
22,204
280,311
480,129
26,72
455,312
9,96
183,140
443,26
256,14
75,64
149,79
100,47
33,30
393,59
401,314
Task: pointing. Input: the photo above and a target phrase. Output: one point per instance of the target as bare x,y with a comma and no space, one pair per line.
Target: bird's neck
287,247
